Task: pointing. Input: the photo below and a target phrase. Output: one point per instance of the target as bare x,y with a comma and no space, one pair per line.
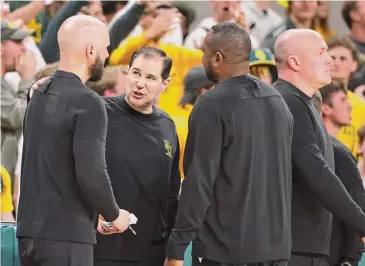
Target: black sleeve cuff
112,215
174,250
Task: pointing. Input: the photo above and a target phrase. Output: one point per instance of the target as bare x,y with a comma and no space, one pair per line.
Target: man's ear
326,109
165,84
217,59
91,52
293,62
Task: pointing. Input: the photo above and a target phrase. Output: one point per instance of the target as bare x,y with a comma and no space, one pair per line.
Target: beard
210,74
96,69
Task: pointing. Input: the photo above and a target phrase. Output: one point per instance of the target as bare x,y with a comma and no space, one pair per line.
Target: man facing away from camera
235,199
65,184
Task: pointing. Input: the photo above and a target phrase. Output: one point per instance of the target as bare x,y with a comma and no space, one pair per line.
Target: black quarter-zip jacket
142,156
235,198
317,191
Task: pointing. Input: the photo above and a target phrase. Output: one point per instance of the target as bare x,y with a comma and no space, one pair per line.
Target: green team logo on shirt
168,148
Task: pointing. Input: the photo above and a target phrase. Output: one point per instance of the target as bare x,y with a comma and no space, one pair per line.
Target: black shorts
41,252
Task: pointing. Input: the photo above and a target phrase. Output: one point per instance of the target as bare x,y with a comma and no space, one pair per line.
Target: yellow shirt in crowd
181,118
6,198
183,59
348,134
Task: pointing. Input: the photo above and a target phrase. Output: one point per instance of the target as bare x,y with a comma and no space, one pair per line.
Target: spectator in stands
361,151
224,11
7,206
300,15
345,62
195,84
346,244
357,84
110,8
36,15
94,9
261,19
322,21
263,66
188,16
112,83
353,13
13,102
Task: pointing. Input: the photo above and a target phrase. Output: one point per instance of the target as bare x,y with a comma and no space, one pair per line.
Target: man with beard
142,156
65,184
235,199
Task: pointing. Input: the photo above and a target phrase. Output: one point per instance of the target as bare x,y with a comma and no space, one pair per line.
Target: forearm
124,25
93,178
27,12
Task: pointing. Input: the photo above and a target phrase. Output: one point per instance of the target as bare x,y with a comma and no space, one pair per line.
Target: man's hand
161,24
36,85
360,91
25,65
172,262
101,229
123,221
240,18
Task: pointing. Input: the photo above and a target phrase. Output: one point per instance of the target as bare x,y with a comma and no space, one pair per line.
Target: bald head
83,42
294,42
77,32
302,57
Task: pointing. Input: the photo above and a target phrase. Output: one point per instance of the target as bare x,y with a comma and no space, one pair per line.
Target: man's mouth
138,95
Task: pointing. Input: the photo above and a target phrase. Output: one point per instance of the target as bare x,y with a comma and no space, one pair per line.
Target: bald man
235,199
65,184
303,67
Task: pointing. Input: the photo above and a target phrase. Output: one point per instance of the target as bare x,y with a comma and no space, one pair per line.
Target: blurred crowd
168,26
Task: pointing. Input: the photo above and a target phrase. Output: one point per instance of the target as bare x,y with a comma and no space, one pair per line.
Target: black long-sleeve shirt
346,244
142,156
124,25
65,183
235,199
317,190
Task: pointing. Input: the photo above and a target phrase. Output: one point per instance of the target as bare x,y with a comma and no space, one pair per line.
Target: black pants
206,262
40,252
308,260
129,263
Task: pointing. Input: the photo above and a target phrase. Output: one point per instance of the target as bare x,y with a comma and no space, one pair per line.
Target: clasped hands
119,225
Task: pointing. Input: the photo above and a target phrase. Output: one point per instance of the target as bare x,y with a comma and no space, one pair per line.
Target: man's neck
298,82
236,70
332,129
306,24
79,70
358,33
